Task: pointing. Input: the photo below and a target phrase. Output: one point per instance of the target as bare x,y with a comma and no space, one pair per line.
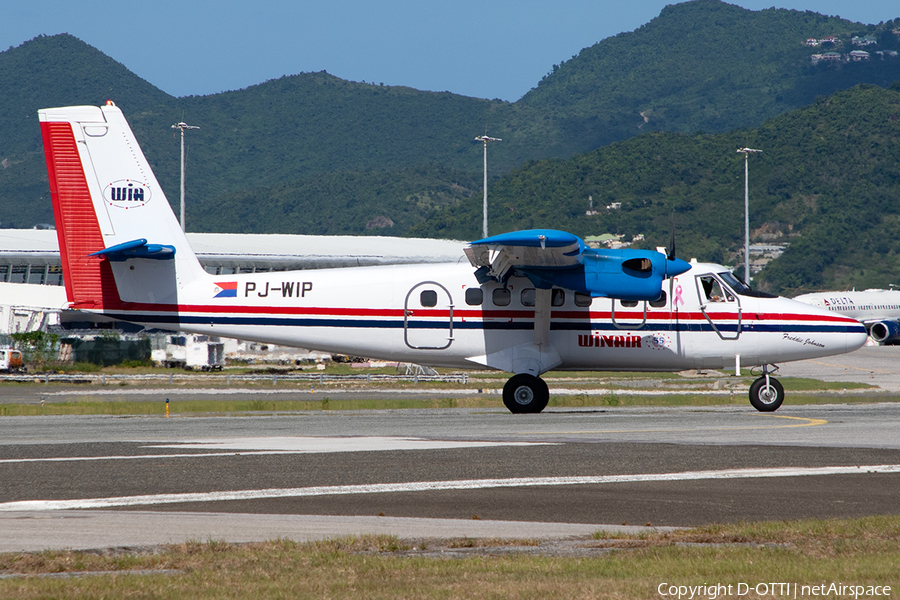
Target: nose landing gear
766,393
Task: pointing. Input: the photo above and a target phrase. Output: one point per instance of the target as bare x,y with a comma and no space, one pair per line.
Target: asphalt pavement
105,481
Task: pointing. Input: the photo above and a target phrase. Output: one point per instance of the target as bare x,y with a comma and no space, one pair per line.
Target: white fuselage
431,314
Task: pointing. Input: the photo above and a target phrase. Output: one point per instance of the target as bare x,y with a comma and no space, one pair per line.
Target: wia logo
126,193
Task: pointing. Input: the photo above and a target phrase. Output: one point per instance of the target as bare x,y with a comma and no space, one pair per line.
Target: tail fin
119,240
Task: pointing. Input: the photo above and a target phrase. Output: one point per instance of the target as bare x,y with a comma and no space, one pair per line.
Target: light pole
485,139
182,126
746,152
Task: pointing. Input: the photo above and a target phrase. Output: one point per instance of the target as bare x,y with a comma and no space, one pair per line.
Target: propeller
670,257
674,265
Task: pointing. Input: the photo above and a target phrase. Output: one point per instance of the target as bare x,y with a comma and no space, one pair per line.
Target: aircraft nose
856,336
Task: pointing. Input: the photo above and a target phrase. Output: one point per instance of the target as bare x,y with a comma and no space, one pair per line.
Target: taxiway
100,481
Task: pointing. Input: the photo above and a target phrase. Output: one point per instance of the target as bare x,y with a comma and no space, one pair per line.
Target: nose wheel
766,394
525,393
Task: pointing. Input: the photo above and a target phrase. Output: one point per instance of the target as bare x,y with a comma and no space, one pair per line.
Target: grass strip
86,404
859,552
184,408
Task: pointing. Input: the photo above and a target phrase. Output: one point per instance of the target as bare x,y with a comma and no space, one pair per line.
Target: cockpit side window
714,291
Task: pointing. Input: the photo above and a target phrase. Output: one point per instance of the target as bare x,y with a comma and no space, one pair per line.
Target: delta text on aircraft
878,310
525,302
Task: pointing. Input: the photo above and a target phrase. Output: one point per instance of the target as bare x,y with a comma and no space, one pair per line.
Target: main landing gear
525,393
766,393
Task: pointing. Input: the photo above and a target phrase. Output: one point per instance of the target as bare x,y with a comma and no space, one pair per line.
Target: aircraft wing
551,258
533,248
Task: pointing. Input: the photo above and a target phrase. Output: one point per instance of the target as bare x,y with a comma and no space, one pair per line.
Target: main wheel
525,393
766,397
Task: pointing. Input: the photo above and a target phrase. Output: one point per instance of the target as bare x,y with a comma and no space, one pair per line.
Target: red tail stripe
90,280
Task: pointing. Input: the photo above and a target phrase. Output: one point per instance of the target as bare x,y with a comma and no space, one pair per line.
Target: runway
89,482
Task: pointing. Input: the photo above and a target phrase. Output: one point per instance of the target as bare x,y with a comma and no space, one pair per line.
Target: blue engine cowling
548,258
885,332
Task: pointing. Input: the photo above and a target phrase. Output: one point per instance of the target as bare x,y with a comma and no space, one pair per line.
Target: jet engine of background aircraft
885,332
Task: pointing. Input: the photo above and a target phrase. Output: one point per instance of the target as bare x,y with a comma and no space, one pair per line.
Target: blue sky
483,48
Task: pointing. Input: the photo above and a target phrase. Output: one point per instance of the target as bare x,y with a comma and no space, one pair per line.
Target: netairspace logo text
776,590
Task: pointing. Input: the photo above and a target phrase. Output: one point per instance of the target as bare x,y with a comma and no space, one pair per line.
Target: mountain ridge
337,156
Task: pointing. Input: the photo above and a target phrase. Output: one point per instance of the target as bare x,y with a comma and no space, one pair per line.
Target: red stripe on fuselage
562,315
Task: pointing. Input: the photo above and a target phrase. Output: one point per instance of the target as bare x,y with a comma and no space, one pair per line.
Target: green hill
51,71
344,203
311,153
708,66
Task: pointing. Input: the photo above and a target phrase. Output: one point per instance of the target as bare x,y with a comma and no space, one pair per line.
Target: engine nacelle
885,332
557,258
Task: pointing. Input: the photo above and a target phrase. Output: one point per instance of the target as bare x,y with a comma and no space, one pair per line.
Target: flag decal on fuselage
226,289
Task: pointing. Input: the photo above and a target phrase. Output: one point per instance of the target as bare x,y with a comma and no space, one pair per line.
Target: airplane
524,302
878,310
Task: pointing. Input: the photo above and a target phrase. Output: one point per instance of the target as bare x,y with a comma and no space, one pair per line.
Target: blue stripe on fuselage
266,321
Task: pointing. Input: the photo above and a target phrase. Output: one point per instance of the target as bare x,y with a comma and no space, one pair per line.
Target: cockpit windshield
739,287
734,282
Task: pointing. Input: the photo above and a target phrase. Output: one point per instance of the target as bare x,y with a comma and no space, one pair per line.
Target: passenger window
582,300
474,296
428,298
528,297
661,302
558,297
501,297
628,303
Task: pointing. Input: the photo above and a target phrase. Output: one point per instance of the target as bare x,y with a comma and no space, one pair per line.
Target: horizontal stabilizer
137,249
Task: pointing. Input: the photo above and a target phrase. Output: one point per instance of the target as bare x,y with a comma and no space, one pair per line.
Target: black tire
525,393
766,398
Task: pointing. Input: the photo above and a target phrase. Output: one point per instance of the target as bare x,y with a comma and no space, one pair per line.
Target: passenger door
428,317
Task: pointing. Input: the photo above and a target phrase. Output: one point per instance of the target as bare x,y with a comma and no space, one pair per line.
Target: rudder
105,195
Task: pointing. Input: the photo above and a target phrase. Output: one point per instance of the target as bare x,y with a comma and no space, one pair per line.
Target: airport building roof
32,255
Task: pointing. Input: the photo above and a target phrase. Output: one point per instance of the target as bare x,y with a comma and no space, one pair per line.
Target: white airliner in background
524,302
878,310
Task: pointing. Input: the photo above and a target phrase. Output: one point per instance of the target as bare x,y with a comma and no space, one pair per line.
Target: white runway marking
286,445
335,444
426,486
395,391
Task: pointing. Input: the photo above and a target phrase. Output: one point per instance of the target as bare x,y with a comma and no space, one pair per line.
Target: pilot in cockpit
712,289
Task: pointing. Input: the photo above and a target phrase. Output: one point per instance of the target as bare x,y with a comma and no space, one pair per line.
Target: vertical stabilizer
119,240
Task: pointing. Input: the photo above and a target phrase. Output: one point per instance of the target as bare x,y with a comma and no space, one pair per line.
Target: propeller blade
671,254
